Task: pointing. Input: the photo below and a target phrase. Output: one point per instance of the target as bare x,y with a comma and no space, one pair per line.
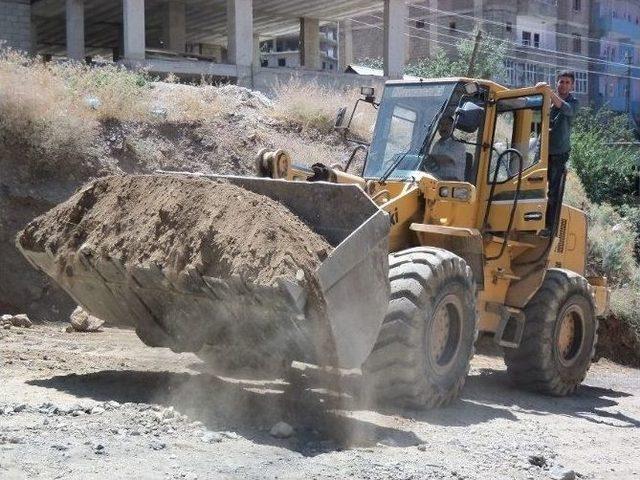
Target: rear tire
559,338
422,355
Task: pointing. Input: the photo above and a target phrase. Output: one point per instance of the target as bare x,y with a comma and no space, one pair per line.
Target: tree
490,62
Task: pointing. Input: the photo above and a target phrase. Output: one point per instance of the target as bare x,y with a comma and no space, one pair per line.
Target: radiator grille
562,236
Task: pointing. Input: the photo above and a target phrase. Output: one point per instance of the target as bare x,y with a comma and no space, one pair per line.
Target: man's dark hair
566,73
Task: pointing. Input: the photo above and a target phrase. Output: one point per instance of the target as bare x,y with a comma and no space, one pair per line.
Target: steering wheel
514,162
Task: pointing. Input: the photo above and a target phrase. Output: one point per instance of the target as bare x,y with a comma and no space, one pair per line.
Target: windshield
405,113
415,132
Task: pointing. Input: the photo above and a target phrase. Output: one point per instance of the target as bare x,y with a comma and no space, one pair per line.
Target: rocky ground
101,404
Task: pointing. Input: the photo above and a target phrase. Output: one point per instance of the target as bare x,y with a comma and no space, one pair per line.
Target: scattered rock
20,320
97,410
6,326
538,460
211,437
422,447
156,445
99,449
60,447
113,404
281,430
560,473
81,321
9,439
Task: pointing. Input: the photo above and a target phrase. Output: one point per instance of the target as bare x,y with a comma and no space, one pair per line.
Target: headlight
461,193
444,191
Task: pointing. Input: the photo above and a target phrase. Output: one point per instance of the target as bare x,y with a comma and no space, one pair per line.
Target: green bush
611,240
606,170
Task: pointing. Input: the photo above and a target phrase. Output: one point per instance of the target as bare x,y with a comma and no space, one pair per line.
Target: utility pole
474,54
627,57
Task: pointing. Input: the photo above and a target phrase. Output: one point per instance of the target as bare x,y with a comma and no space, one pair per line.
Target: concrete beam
345,44
310,43
75,29
174,28
395,14
134,29
240,32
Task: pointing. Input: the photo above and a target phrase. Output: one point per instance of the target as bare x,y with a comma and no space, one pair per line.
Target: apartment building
285,51
616,24
544,36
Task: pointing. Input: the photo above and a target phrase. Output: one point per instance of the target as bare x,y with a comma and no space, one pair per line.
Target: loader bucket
233,316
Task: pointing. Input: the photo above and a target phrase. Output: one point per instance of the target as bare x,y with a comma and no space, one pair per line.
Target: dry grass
37,111
53,112
313,107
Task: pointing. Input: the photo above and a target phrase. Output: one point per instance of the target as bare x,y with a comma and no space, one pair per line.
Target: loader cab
418,130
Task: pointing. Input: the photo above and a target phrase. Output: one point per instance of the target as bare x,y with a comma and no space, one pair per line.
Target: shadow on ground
493,389
251,408
248,408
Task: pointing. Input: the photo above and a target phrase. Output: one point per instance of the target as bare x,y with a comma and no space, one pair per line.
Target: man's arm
566,107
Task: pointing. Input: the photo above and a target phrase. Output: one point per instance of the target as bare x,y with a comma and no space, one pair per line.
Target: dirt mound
618,341
180,223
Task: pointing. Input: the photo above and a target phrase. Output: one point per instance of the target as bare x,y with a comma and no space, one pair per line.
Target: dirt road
103,405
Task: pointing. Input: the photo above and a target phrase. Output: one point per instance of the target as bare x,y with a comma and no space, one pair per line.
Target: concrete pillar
310,43
257,60
75,29
174,31
395,15
345,44
134,29
240,32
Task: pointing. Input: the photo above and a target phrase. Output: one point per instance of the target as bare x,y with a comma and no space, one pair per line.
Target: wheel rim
445,333
570,335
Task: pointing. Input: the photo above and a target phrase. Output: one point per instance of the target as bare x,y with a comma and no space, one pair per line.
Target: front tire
422,355
559,337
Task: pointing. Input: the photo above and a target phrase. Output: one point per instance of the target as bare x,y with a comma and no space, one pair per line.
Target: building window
331,66
577,43
511,73
577,5
536,40
282,62
324,65
509,26
419,24
526,39
582,82
264,62
529,74
452,25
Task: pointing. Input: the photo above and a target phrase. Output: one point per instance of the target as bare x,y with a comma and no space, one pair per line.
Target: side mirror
340,116
368,94
468,117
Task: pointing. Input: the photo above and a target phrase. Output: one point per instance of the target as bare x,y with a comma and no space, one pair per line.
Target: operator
563,110
447,155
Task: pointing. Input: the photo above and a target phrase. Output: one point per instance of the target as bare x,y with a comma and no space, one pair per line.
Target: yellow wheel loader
438,236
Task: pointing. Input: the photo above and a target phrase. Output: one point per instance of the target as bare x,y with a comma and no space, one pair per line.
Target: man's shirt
561,120
450,159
